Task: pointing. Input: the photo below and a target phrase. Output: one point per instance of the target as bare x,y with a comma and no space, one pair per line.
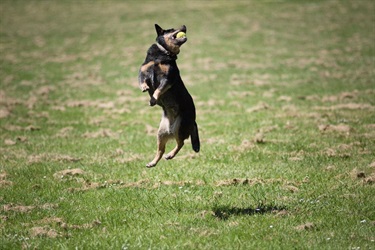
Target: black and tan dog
160,76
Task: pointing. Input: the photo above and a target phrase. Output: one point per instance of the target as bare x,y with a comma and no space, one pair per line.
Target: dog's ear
159,30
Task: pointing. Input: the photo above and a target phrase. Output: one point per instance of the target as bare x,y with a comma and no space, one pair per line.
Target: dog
160,77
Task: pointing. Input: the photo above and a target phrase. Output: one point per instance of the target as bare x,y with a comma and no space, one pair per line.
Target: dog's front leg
142,82
163,87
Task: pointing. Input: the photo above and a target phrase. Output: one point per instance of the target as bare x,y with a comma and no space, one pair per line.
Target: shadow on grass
224,212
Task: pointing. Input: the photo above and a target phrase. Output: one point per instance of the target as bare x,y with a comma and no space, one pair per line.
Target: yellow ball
181,34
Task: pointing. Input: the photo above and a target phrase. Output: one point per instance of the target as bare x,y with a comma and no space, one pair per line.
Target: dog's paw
144,87
169,156
152,101
151,164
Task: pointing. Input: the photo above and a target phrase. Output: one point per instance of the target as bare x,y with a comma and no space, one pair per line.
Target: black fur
160,76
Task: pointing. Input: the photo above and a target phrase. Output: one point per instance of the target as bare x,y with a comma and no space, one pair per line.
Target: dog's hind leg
162,140
180,144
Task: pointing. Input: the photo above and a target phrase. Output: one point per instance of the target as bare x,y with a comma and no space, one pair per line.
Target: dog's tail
194,136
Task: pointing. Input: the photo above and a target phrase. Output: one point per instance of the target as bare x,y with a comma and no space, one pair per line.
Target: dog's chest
155,72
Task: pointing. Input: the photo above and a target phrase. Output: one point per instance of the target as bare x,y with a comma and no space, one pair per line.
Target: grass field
285,99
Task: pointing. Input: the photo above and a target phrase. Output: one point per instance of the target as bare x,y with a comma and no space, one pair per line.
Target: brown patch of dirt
306,226
31,128
3,176
329,98
56,221
51,221
341,128
349,106
51,157
238,181
284,98
13,128
17,208
330,167
259,137
204,213
44,232
65,158
340,97
58,108
341,150
101,133
25,209
291,188
295,158
177,183
4,113
110,183
143,183
9,142
280,212
370,179
335,153
75,104
259,107
357,174
245,145
48,206
68,172
21,138
97,120
309,98
5,183
140,183
214,140
64,132
241,94
88,186
3,180
45,90
246,181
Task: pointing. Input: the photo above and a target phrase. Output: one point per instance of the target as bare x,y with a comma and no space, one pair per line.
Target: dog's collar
165,51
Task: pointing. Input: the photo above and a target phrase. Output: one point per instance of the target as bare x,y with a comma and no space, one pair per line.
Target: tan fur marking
164,68
157,94
175,49
145,67
144,87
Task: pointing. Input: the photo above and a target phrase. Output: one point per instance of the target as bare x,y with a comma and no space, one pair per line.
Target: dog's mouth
179,40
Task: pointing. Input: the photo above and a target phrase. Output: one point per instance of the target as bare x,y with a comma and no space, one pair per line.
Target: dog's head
169,40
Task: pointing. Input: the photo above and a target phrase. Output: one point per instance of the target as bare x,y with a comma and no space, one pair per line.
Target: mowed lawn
285,100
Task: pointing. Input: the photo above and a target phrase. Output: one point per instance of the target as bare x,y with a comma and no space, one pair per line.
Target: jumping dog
160,77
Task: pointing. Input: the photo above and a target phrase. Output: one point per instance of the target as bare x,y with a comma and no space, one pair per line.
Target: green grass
284,92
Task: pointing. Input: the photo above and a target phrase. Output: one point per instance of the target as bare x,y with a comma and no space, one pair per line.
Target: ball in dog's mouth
181,34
